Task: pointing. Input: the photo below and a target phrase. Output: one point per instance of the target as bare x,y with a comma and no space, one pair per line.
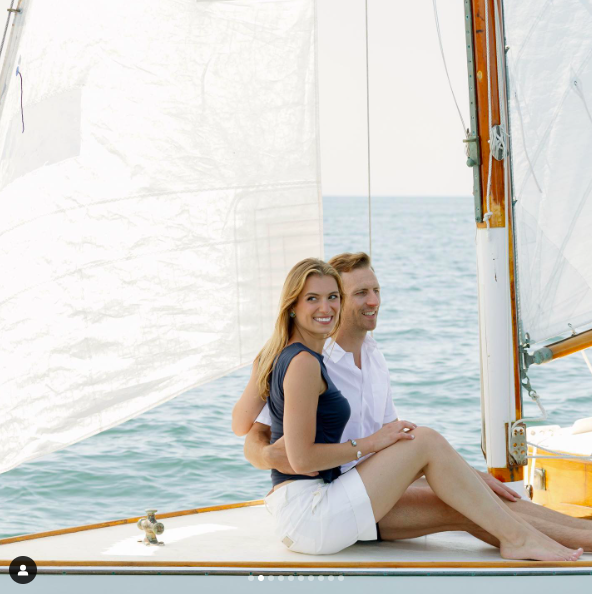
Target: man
359,370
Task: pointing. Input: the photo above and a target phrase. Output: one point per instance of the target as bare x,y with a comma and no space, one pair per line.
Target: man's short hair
347,262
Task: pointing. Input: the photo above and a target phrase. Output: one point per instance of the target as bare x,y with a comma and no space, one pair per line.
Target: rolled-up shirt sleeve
265,418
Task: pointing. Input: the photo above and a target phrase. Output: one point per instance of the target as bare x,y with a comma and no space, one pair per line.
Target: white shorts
320,518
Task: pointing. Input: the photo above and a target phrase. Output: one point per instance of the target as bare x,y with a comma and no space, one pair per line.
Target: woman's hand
390,433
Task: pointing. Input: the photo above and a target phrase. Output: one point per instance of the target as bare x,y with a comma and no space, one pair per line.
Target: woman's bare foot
582,538
539,549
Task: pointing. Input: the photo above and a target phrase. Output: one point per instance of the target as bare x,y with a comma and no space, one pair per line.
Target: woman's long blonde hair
284,324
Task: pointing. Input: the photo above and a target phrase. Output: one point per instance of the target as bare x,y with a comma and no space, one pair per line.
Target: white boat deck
243,538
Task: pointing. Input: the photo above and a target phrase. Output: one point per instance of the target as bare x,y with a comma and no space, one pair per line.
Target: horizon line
365,197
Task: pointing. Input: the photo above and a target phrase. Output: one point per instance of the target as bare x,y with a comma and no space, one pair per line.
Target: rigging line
561,455
488,214
18,73
465,129
587,360
368,130
6,27
501,142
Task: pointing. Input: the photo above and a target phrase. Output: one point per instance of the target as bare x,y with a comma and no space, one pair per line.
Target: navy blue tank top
332,413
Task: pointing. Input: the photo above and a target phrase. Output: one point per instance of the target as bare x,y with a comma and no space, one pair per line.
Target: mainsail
159,179
550,101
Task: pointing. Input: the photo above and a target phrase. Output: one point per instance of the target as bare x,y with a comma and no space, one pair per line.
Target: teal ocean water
183,454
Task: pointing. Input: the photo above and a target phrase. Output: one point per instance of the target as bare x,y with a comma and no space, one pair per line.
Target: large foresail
549,62
156,183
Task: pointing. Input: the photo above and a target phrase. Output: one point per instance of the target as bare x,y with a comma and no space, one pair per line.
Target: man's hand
498,487
276,457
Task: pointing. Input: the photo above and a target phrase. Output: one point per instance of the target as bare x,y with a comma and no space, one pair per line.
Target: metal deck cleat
151,527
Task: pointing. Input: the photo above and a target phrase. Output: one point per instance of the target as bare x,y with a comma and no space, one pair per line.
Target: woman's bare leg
387,474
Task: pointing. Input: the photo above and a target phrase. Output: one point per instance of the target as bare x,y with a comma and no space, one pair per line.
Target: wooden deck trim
319,564
186,512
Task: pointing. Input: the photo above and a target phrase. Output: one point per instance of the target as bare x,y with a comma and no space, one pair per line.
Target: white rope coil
497,142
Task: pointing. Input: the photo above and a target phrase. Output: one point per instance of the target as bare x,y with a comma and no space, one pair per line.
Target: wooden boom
562,348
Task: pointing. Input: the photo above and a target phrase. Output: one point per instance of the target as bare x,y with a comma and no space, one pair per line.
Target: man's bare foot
538,549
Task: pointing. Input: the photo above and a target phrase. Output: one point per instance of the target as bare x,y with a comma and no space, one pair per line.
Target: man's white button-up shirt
368,390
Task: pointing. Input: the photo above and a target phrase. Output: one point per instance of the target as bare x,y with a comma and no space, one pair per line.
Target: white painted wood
496,344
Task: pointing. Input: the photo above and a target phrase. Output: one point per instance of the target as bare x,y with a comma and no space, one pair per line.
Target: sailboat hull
235,546
311,584
568,487
559,483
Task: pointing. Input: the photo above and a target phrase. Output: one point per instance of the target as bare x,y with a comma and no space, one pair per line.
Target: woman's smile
324,320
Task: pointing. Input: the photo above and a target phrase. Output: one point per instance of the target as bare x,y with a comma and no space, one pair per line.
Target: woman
328,512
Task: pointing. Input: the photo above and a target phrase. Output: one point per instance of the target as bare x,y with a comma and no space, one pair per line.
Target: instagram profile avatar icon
23,570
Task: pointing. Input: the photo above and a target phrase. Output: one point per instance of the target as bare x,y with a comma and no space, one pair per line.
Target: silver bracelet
355,444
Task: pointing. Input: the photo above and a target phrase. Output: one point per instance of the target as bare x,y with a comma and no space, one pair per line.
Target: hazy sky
416,134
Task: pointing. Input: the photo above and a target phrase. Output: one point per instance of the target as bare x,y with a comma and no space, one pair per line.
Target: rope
465,129
587,360
560,455
368,130
535,446
537,399
6,27
18,73
497,141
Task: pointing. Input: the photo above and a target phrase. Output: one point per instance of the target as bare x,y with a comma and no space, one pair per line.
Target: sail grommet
151,527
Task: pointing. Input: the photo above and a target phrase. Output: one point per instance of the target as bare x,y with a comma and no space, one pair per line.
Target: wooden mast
498,325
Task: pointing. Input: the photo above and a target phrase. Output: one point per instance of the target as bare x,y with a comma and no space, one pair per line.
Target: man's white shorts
320,518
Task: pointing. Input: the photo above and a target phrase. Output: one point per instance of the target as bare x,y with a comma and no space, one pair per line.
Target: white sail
166,179
550,97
